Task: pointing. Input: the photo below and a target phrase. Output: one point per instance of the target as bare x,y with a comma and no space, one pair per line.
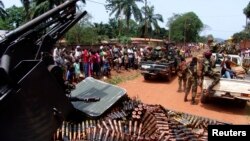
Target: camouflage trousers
216,79
182,79
191,83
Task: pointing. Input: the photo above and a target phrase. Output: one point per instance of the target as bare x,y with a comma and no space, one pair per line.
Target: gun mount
33,103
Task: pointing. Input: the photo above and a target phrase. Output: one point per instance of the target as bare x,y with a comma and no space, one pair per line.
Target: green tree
186,27
161,33
241,36
133,28
35,8
246,10
125,40
115,27
202,39
128,8
150,20
3,13
104,30
82,33
16,16
26,5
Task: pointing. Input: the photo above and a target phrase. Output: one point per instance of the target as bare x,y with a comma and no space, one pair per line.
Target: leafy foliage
16,16
3,13
186,27
150,20
125,40
241,36
128,8
35,8
246,10
161,33
82,33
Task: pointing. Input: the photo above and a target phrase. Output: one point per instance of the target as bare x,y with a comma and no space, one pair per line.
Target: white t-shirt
78,54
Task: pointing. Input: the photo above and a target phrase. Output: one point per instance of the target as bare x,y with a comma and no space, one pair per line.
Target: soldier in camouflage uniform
192,80
207,71
182,74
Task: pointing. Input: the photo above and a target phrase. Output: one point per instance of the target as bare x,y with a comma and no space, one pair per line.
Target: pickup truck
151,69
233,89
237,89
161,67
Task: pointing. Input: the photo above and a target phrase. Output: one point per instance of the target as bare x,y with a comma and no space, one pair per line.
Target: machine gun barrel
31,24
31,37
58,32
14,34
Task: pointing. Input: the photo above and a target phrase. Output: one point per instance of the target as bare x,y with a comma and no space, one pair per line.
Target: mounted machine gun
33,103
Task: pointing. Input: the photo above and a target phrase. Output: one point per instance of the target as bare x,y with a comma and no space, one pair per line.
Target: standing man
192,80
182,74
85,56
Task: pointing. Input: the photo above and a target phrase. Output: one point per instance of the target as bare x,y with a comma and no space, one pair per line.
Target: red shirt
94,58
85,56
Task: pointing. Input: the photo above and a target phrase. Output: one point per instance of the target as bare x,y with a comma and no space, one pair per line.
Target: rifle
33,103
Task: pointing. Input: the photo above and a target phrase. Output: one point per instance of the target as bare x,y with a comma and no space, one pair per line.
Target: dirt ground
165,94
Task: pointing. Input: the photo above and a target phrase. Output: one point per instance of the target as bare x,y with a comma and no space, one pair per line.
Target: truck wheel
241,103
146,77
204,99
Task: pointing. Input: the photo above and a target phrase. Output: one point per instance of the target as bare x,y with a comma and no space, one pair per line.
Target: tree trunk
127,31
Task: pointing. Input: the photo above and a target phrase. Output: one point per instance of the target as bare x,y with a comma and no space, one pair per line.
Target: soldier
182,74
207,71
200,70
192,80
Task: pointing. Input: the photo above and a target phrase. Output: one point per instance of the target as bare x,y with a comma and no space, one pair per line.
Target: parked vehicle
236,89
236,59
160,67
246,64
150,69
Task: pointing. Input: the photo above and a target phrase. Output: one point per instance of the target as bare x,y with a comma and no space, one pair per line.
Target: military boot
185,98
210,88
184,87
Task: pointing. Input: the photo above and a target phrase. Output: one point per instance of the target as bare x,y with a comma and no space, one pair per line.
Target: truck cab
236,59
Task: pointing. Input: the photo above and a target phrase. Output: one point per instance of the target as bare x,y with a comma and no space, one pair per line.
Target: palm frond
137,13
158,17
1,4
40,9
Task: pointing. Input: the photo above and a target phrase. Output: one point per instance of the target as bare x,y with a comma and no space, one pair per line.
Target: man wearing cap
207,71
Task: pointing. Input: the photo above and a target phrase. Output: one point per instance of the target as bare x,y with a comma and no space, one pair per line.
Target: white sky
224,17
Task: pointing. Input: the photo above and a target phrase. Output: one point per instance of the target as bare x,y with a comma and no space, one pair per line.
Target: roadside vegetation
120,78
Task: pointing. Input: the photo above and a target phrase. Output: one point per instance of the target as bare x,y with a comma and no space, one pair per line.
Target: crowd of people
79,62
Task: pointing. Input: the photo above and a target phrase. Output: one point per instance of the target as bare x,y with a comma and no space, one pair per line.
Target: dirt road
165,94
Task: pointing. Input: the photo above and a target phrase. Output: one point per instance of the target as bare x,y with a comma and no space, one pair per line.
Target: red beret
208,54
